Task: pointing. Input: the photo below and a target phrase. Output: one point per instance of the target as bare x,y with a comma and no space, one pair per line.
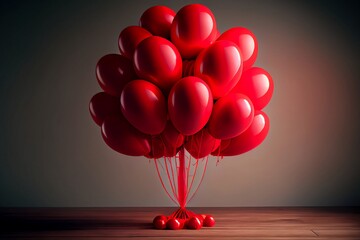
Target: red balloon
157,148
257,84
129,38
251,138
171,136
190,104
246,41
194,223
158,61
201,144
159,222
200,217
124,138
113,72
171,151
216,145
144,106
220,66
173,224
157,20
223,145
193,29
102,105
209,221
231,116
172,140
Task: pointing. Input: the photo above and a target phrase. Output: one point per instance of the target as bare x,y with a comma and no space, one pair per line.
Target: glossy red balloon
194,223
182,222
193,29
160,148
157,20
216,145
157,147
223,145
129,38
102,105
170,151
231,116
172,136
257,84
220,66
158,61
172,140
251,138
246,41
113,72
173,224
144,106
159,222
201,218
124,138
201,144
209,221
190,104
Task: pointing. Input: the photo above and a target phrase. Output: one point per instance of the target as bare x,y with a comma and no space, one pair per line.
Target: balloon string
200,143
162,183
193,177
168,159
188,173
202,177
218,155
153,146
172,173
169,178
172,163
175,176
182,188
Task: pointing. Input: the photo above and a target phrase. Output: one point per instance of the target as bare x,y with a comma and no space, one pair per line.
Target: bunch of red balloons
178,83
194,222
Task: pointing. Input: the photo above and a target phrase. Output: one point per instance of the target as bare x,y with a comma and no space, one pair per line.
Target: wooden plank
135,223
145,233
179,238
338,232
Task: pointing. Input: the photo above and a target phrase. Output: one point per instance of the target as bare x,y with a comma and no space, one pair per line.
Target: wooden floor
135,223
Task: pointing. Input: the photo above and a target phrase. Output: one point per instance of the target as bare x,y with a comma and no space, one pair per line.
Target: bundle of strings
181,177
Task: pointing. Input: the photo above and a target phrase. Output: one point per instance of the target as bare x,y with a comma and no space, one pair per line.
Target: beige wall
52,154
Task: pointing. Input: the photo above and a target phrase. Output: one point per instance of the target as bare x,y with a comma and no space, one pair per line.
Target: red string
195,170
188,172
193,177
177,164
202,177
162,183
172,174
182,187
171,183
